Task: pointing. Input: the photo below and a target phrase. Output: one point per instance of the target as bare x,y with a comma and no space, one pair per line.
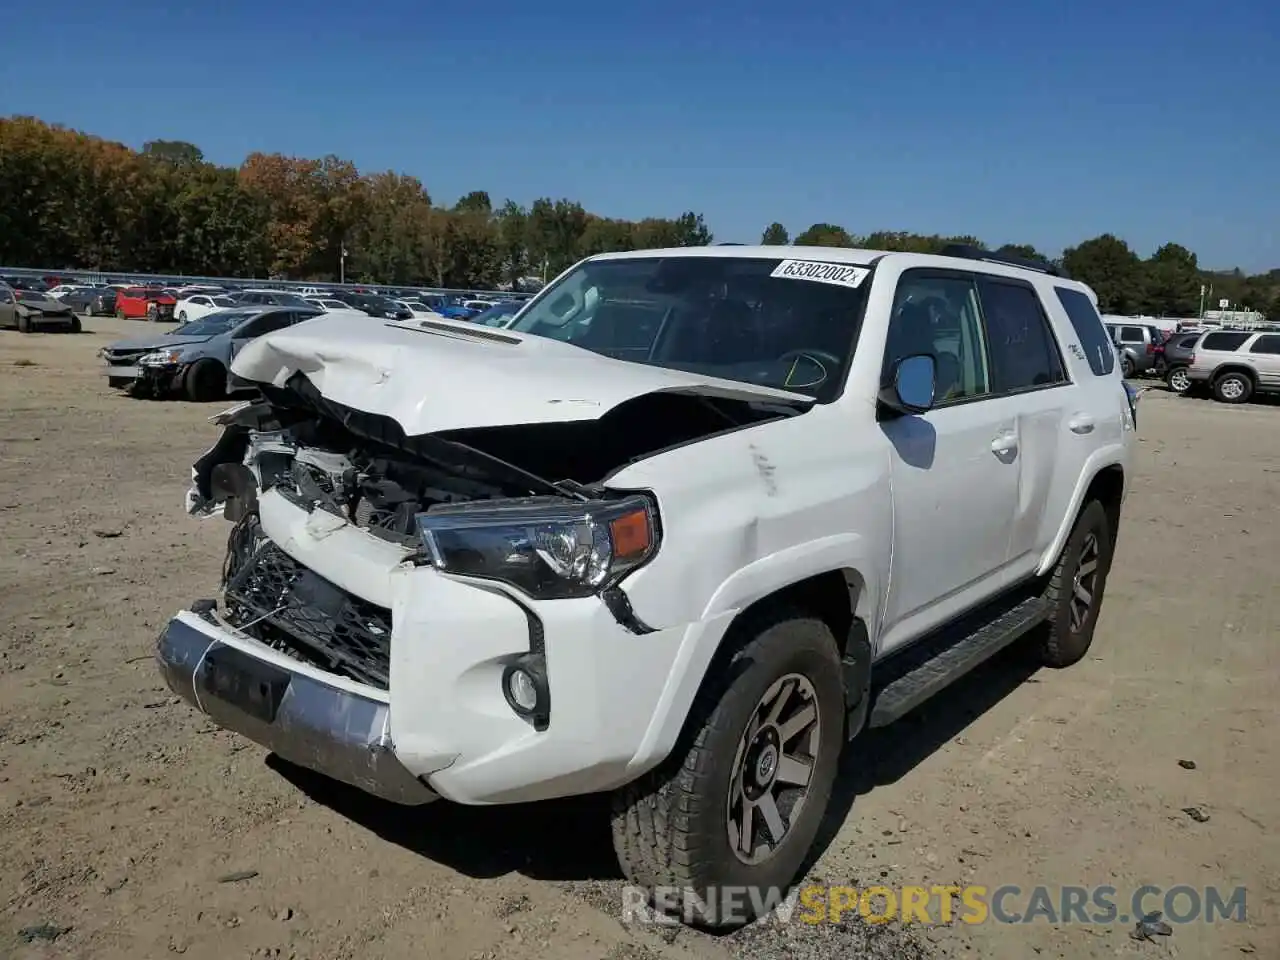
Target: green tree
1114,272
1171,282
825,235
775,235
1024,250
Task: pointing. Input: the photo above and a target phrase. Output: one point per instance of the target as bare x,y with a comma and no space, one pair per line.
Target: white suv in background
694,521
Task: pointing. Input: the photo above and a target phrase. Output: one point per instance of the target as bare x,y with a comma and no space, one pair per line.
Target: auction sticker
841,274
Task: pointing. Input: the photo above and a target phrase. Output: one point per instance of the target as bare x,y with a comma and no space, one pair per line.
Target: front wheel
1076,587
205,380
75,326
1178,380
739,802
182,316
24,323
119,313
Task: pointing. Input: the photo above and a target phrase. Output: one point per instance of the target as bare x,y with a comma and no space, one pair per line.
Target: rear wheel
1178,380
1126,366
1233,387
205,380
182,316
1076,587
739,801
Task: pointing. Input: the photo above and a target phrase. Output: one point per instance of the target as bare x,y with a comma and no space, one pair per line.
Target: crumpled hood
453,375
46,306
165,341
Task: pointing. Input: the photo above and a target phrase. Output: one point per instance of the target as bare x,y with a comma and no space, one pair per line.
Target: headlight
547,550
160,358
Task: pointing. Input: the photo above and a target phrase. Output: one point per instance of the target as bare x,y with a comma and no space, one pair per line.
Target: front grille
124,358
277,600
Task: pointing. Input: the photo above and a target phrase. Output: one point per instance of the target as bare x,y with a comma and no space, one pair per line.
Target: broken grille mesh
277,600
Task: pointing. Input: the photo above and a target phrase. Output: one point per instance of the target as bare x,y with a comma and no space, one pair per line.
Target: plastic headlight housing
160,358
546,549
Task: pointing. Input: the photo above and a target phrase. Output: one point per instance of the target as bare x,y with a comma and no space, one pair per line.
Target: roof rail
967,251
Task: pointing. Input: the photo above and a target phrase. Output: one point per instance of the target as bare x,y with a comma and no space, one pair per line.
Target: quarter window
1097,345
939,316
1224,341
1024,353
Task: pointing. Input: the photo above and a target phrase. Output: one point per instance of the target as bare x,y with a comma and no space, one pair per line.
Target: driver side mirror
912,387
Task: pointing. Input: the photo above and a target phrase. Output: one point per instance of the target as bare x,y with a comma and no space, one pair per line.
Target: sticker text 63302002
841,274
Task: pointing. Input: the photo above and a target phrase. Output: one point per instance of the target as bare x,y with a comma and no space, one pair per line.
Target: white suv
695,520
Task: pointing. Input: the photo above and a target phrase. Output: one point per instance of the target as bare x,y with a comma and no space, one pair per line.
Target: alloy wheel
1084,584
773,768
1179,382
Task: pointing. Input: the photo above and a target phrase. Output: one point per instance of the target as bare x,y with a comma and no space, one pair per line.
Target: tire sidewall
1093,519
1248,388
1169,378
729,722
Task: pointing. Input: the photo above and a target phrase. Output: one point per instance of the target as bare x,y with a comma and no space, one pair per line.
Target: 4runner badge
842,275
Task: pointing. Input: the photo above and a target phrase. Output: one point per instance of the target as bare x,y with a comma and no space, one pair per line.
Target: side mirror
911,389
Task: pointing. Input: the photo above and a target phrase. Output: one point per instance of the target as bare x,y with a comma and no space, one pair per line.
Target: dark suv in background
1179,353
1141,346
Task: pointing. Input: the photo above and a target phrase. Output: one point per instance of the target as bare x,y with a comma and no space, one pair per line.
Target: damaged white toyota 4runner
689,524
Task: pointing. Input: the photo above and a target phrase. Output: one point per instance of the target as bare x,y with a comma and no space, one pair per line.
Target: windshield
212,324
786,324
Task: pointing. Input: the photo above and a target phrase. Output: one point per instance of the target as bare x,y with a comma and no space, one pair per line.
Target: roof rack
967,251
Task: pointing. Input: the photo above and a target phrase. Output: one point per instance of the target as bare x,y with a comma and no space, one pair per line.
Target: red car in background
136,303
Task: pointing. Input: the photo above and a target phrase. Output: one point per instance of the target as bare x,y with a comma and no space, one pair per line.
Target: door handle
1005,443
1081,423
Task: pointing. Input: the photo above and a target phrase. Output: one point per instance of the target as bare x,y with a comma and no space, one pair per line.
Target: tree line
69,200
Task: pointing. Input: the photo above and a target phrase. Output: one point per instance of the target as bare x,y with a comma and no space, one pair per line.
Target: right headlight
548,550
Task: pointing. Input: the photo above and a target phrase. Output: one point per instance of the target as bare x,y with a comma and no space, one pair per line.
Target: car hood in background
162,342
452,375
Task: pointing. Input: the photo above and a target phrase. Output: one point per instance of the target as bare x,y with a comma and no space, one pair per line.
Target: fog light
522,691
524,685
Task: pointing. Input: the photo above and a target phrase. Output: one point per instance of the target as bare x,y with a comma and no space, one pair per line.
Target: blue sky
1036,122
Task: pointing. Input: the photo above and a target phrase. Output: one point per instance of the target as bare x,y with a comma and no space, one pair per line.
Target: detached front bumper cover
324,728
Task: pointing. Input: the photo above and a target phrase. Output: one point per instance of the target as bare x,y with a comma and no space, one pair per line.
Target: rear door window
1097,345
1024,353
1224,341
1131,335
1269,343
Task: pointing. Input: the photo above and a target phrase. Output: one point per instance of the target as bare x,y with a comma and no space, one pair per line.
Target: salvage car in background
194,359
151,303
195,306
31,310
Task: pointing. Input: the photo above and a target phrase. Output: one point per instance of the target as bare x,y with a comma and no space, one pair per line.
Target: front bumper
616,698
331,729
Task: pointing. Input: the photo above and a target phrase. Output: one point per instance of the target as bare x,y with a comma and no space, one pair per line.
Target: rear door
1265,356
1029,378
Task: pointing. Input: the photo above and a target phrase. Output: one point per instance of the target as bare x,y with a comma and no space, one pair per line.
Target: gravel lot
123,813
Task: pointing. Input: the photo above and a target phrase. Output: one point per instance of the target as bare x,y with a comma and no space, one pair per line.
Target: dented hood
437,376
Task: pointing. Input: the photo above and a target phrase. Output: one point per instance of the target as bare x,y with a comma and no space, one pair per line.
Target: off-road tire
670,827
1221,387
205,380
1060,645
24,323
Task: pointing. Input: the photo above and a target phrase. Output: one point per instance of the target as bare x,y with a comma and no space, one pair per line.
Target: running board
921,670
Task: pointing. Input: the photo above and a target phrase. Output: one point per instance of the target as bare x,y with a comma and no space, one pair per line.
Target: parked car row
1231,365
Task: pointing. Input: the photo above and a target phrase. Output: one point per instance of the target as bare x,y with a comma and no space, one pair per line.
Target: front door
954,469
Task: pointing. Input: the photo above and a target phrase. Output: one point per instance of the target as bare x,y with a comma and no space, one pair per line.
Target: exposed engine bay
363,468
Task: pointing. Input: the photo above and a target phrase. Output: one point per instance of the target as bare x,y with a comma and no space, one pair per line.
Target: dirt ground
122,812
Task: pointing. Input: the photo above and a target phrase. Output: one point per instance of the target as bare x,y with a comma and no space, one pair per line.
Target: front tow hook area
330,730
